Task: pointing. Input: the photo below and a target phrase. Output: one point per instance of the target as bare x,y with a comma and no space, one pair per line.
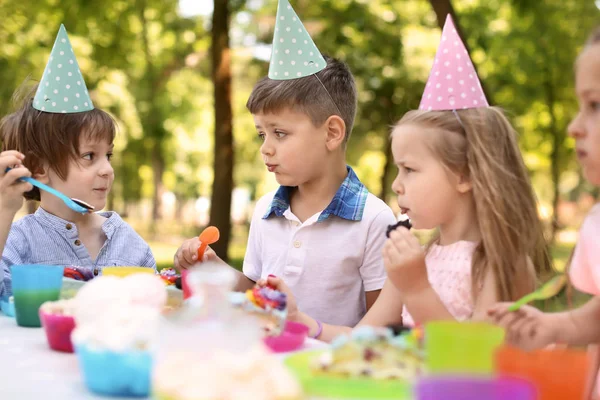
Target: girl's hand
528,327
404,261
278,284
11,188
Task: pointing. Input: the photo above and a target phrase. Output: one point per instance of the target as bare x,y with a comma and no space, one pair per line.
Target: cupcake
58,322
116,329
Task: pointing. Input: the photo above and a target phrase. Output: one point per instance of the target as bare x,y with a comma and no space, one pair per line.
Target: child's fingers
23,187
12,177
190,251
497,311
14,153
9,161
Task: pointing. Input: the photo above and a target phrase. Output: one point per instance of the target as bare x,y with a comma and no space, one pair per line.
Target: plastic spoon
550,289
208,236
76,205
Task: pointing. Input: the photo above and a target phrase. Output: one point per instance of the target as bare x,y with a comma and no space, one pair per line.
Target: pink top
584,276
449,270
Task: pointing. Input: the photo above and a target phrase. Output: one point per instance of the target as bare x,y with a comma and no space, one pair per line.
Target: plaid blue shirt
44,238
348,202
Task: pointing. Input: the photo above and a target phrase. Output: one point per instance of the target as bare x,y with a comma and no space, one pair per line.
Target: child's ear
336,132
464,184
41,174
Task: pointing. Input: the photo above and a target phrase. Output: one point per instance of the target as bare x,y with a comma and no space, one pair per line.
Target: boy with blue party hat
58,137
322,231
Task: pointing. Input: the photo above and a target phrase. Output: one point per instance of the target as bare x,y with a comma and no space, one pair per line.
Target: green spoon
550,289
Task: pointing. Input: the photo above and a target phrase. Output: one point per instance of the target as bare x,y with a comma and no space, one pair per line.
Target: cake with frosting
373,353
268,304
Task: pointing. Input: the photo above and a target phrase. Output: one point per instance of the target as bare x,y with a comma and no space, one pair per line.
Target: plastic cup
33,285
449,388
126,271
557,374
7,306
458,348
110,373
292,338
58,330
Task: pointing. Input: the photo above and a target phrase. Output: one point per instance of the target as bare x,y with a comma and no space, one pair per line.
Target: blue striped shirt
348,202
43,238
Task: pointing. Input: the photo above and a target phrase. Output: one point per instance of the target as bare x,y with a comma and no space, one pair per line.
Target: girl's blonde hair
481,144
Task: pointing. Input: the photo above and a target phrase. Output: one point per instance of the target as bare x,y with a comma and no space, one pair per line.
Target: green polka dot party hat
62,88
294,54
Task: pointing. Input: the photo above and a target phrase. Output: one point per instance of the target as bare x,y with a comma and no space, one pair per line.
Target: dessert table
29,369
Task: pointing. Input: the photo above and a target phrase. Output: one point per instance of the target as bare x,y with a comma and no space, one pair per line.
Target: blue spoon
76,205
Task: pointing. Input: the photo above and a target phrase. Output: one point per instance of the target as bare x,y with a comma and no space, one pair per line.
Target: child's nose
397,186
106,169
575,128
267,148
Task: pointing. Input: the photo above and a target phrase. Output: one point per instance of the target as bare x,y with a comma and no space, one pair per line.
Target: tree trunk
158,168
220,210
557,141
444,7
387,167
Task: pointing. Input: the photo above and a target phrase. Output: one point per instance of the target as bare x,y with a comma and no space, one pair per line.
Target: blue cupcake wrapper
125,374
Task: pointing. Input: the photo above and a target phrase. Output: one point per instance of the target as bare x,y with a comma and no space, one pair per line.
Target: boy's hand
404,261
528,327
278,284
187,254
11,188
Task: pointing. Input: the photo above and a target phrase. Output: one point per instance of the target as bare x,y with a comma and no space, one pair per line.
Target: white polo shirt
331,259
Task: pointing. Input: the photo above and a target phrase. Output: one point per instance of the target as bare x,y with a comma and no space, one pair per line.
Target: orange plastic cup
558,374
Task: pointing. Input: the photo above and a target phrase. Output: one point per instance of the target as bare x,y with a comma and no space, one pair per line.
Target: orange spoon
208,236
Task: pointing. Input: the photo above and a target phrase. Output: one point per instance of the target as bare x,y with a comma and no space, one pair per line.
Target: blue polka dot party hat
294,54
62,88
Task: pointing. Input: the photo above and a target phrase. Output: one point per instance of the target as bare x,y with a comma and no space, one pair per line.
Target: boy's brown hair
49,139
307,95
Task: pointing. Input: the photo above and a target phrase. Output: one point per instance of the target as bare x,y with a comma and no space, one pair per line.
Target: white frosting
253,374
119,313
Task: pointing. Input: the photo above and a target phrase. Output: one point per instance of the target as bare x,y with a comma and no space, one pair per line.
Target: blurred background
176,75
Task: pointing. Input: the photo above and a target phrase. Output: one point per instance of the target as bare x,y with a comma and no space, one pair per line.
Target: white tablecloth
29,369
